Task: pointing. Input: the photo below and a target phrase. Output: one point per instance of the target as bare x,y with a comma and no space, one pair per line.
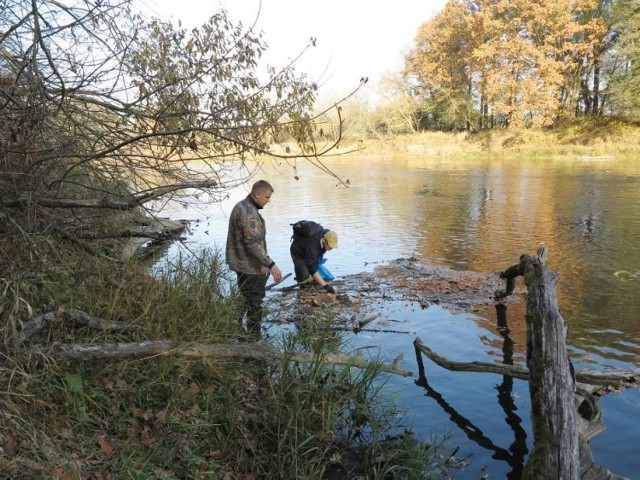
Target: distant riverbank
589,138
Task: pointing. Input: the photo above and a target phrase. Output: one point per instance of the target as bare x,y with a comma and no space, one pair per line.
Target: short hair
261,185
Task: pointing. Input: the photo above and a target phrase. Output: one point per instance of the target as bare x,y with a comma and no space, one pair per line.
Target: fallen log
153,229
90,351
260,351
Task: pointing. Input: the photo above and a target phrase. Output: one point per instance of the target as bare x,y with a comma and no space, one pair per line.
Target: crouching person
310,242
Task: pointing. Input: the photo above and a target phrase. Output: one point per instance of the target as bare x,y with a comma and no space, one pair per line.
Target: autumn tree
104,108
439,64
509,59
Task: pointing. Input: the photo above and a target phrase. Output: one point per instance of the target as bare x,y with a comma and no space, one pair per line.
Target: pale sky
355,38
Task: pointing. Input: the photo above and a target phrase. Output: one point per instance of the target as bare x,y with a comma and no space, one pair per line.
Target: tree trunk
565,415
595,106
558,450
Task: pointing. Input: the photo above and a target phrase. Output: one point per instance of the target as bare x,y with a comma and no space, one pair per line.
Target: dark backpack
306,228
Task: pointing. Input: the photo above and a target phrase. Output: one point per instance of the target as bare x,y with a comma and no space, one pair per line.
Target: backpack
306,228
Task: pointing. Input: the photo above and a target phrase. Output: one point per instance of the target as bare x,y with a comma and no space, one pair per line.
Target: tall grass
172,417
191,299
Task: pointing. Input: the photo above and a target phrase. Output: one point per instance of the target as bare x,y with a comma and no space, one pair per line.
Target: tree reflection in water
515,455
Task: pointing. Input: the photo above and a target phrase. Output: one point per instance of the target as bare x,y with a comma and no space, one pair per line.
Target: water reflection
515,455
518,448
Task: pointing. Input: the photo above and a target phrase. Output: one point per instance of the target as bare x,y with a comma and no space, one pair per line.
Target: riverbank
154,389
585,139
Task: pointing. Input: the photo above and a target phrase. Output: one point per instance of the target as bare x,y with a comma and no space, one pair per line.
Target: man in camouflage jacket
247,253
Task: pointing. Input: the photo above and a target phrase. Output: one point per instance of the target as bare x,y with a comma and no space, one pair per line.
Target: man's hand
277,274
329,288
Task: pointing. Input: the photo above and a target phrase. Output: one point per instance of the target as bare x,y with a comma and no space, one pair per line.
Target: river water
479,216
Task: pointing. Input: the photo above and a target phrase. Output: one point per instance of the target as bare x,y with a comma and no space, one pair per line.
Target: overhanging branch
123,203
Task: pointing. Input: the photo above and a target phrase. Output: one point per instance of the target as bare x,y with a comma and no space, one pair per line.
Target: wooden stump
558,450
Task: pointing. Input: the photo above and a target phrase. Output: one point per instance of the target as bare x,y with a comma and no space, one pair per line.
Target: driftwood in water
485,367
597,379
589,387
558,450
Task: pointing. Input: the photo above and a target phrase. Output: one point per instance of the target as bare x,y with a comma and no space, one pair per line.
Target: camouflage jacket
247,240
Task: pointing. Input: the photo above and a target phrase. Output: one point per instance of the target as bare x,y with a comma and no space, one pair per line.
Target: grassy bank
171,416
580,138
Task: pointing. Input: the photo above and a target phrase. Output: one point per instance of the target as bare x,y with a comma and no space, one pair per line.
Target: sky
355,38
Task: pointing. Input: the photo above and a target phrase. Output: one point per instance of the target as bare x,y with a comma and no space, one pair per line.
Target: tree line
482,64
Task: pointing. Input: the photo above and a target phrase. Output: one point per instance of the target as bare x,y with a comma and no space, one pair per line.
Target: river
478,215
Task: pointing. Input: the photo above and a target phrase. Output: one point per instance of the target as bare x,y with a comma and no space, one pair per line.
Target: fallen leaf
60,473
147,439
194,410
194,389
105,446
10,443
162,415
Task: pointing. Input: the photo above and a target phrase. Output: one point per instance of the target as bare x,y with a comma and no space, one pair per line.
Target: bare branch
126,203
76,317
609,378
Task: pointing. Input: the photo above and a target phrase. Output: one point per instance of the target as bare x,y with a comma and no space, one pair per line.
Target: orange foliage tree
510,60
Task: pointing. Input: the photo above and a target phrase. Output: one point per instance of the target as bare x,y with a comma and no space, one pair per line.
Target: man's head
330,240
261,192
